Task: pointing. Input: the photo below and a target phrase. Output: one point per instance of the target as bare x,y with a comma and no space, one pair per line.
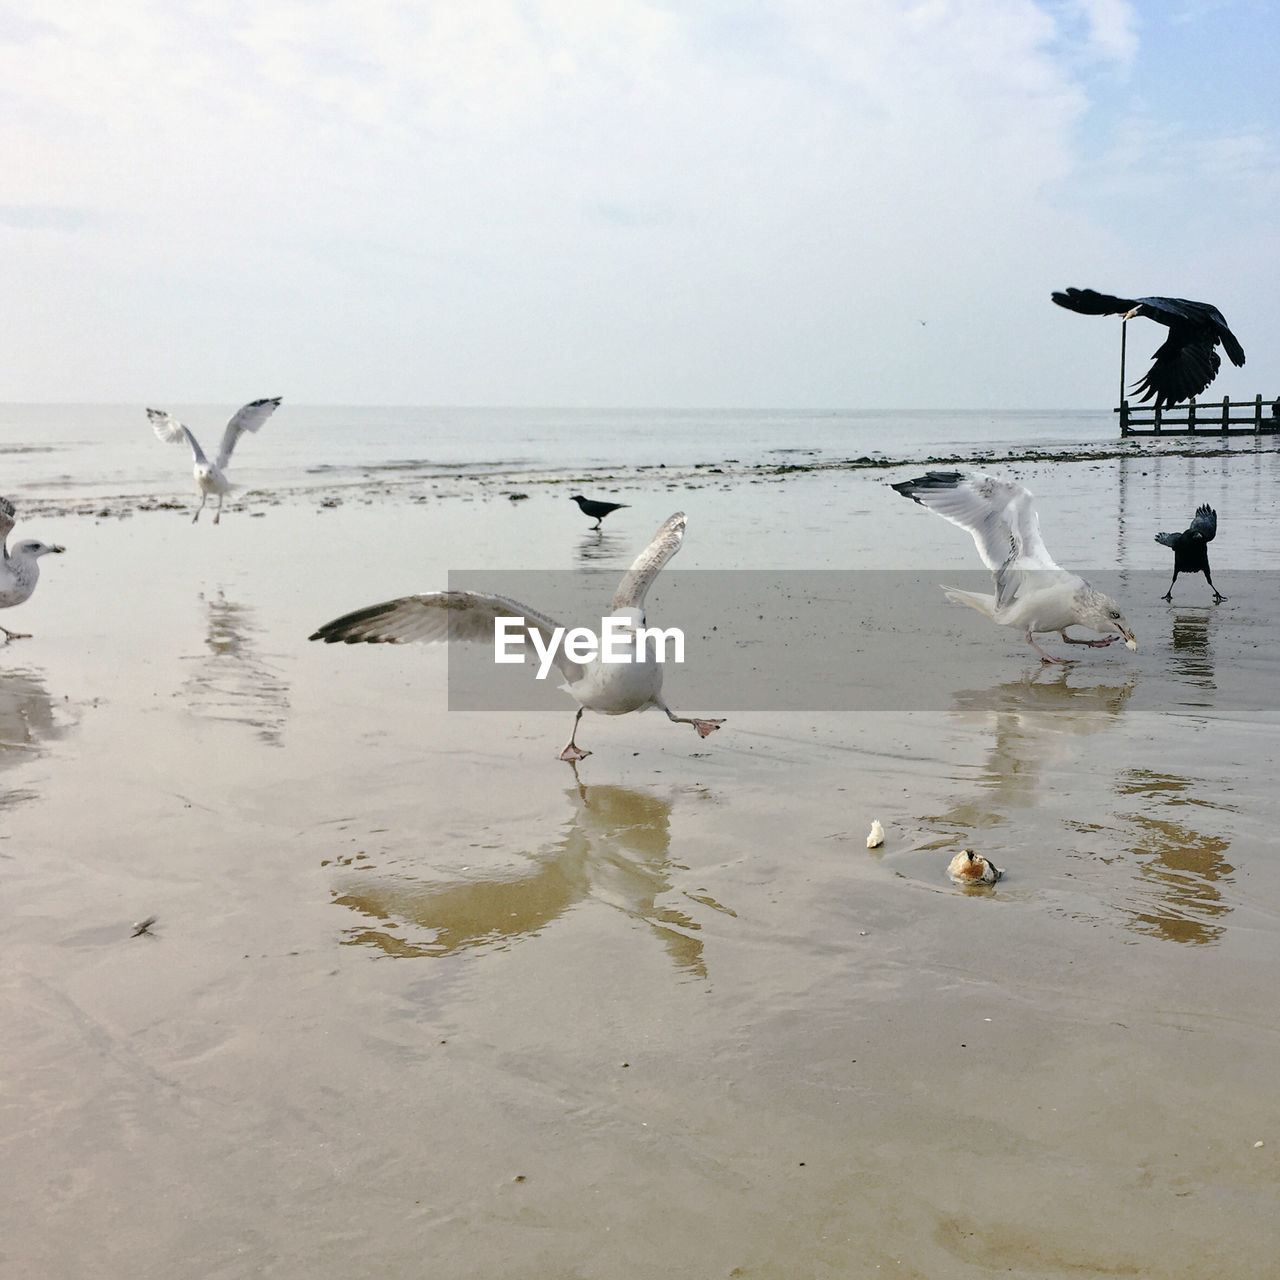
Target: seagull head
34,549
1103,614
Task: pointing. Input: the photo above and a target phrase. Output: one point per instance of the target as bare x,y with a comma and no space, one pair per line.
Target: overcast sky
783,203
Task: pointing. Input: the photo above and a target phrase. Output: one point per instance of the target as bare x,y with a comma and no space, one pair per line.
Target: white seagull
612,688
1033,592
211,477
20,570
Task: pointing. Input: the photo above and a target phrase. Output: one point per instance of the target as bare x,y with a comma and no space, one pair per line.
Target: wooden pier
1231,417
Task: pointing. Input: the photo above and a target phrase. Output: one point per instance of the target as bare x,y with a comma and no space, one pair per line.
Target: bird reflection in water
1181,868
601,550
27,721
231,680
1192,653
615,850
1033,723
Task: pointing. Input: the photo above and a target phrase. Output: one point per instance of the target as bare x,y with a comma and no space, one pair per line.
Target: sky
769,203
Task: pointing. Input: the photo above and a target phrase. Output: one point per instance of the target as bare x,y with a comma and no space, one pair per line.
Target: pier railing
1231,417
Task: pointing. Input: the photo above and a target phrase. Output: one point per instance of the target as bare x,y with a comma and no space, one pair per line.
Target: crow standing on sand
1191,549
595,510
1187,361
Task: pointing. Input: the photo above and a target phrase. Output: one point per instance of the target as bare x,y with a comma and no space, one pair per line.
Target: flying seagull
1191,549
595,510
20,570
211,477
611,688
1186,362
1033,593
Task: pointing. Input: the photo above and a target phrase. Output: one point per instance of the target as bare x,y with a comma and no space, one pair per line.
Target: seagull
21,568
595,510
1033,593
1186,362
1191,549
968,867
211,477
612,688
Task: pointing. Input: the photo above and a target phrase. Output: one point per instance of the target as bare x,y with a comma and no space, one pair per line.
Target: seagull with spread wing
211,477
1191,549
609,688
1186,362
19,568
1033,592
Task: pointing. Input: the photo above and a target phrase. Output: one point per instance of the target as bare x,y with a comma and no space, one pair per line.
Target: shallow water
418,991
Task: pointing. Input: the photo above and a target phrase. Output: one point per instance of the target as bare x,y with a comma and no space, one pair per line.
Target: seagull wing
648,564
7,514
443,615
248,418
171,431
1000,514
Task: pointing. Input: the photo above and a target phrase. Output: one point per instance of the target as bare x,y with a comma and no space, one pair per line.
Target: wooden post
1257,414
1226,413
1124,416
1124,333
1156,420
1191,415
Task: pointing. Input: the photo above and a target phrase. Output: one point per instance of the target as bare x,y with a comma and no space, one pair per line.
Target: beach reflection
616,849
1170,845
1192,653
27,721
598,549
1033,721
1181,868
231,680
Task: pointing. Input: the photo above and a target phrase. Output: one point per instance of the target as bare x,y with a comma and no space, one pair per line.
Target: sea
70,453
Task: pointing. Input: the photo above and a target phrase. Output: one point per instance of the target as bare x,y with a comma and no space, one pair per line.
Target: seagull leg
204,497
573,753
1044,657
704,727
15,635
217,515
1093,644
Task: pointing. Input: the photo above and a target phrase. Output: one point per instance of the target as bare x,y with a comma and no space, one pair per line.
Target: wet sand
420,998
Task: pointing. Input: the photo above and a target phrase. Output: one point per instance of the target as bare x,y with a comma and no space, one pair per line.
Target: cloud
547,201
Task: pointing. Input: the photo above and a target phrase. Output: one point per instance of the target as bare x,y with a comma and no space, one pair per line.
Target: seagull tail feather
986,605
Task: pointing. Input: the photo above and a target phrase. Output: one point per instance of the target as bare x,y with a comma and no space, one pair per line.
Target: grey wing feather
247,418
999,514
649,563
7,514
171,431
442,615
1205,523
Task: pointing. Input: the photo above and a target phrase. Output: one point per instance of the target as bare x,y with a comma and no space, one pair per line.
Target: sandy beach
422,999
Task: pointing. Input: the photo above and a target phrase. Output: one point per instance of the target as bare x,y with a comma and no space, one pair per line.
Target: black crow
595,510
1191,549
1187,361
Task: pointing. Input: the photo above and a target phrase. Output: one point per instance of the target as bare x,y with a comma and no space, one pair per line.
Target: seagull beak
57,550
1130,640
